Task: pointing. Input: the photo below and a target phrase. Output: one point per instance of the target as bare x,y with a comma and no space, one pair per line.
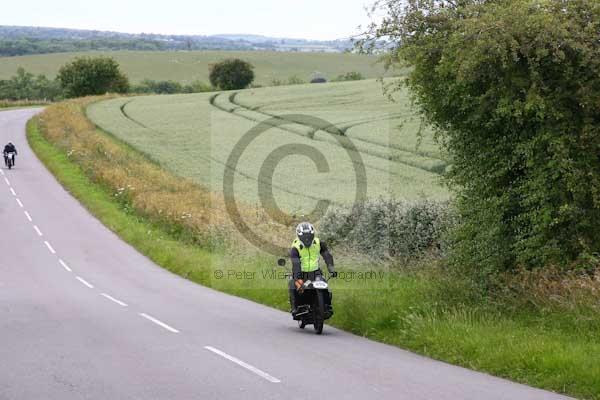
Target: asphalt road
85,316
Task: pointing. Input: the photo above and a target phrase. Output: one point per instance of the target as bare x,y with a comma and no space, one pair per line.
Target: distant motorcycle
314,300
10,159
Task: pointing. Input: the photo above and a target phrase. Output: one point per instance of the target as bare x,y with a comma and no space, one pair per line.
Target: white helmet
306,233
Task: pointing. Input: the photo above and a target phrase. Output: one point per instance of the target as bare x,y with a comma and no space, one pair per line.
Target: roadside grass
12,104
423,308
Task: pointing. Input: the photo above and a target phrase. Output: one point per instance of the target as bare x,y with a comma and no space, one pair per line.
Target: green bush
231,74
292,80
391,228
350,76
157,87
318,77
513,89
169,87
295,80
92,76
197,87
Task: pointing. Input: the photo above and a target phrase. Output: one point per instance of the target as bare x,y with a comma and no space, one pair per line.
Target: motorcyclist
304,255
9,148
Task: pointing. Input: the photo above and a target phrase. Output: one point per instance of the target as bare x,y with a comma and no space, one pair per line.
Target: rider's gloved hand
299,285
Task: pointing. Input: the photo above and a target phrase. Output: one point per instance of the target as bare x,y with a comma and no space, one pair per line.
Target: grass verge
424,310
10,104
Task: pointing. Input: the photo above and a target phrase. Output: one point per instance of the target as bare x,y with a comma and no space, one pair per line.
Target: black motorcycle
10,159
314,302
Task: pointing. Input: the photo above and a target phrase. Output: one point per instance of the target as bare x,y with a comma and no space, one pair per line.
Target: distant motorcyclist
304,254
9,148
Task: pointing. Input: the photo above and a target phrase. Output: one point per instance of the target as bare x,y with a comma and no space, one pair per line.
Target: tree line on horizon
18,41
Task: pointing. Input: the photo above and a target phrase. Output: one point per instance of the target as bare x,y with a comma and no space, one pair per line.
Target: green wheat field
195,135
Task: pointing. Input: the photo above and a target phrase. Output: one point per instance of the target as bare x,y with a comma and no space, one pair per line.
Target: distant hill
247,38
285,44
23,40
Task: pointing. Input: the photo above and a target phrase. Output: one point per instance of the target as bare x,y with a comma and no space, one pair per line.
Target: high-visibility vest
309,256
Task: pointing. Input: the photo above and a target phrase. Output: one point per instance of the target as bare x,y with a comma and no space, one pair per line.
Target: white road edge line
1,172
38,230
49,247
13,192
159,323
19,203
86,283
119,302
28,216
241,363
7,181
64,265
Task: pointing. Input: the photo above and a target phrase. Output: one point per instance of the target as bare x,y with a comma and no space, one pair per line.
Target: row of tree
22,40
170,87
93,76
26,46
82,77
88,76
26,86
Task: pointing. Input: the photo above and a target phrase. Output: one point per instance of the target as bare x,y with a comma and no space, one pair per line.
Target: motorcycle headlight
320,285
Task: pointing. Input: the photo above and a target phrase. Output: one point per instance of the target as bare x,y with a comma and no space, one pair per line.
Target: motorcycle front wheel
319,312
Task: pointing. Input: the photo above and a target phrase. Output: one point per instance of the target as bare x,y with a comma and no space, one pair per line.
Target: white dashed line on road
65,266
159,323
241,363
49,247
119,302
86,283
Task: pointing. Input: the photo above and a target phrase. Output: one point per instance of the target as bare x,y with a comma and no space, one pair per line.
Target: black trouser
306,276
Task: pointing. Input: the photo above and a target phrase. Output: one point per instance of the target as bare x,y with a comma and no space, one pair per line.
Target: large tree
513,90
92,76
231,74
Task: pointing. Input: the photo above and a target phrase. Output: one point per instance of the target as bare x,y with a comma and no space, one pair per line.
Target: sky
310,19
